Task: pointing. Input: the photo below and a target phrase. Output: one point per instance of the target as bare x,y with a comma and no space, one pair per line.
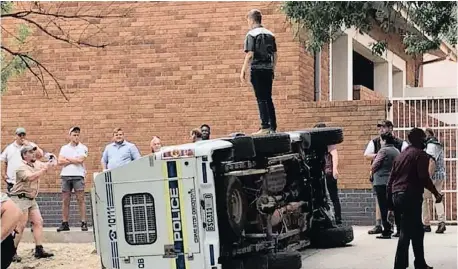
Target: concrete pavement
368,252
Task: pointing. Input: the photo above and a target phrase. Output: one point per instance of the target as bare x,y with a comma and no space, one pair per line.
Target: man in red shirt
408,179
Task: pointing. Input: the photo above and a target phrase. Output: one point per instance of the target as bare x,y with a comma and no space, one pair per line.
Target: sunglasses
22,135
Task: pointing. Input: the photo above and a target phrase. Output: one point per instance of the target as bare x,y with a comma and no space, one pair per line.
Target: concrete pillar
383,78
398,83
342,69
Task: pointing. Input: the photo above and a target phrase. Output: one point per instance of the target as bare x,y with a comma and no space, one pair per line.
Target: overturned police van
231,203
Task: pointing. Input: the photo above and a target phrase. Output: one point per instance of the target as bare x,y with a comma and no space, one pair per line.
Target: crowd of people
24,163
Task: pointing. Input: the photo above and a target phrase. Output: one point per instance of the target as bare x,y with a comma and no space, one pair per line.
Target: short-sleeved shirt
70,151
116,155
262,43
436,151
12,156
370,149
23,184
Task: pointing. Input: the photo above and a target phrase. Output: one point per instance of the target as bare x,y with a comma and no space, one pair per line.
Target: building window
139,219
363,71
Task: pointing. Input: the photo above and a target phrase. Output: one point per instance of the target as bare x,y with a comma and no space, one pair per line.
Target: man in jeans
71,157
332,175
261,50
435,149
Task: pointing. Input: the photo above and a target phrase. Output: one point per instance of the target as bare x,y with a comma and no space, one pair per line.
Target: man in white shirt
11,156
371,151
71,157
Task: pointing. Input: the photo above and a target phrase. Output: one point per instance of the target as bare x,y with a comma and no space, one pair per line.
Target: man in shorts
71,157
24,193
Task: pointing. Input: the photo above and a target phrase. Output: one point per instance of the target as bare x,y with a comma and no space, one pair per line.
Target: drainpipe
317,75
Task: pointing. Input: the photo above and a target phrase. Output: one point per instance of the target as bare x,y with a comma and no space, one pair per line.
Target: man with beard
408,179
206,131
12,158
24,193
370,153
119,152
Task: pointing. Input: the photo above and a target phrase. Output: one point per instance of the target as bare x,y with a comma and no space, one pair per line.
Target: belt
21,196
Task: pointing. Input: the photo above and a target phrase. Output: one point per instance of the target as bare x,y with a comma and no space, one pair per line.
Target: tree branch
25,58
22,14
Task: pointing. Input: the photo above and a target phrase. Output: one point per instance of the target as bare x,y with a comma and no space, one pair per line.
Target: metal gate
441,115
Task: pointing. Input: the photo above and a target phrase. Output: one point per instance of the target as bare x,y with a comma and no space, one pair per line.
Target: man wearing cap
370,153
24,193
71,157
12,158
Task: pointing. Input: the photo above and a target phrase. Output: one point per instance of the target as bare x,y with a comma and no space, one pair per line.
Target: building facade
172,66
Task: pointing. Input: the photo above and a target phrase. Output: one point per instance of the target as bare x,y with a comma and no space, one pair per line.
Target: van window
139,219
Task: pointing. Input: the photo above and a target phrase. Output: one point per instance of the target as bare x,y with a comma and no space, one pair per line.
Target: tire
279,260
243,147
232,209
332,237
272,144
321,137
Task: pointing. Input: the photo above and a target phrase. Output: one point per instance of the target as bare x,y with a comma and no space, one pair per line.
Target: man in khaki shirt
24,193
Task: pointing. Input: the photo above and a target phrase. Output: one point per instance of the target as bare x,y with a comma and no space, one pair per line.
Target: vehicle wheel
272,144
332,237
325,136
243,147
279,260
232,208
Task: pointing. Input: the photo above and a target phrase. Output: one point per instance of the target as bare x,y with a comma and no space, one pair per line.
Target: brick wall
151,87
363,93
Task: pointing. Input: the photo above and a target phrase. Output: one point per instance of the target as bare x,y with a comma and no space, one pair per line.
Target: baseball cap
20,130
73,129
27,149
385,123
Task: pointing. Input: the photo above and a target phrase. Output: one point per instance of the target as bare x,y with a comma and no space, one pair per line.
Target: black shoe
424,267
84,226
338,222
41,253
441,228
385,235
397,234
16,258
63,227
376,230
427,228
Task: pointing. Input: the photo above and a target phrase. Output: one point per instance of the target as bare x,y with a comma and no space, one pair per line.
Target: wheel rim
236,206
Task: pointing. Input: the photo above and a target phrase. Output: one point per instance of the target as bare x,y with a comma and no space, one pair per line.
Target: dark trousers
262,80
331,184
380,191
409,206
8,251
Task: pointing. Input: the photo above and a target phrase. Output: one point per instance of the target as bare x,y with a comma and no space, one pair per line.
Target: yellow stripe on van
167,210
183,213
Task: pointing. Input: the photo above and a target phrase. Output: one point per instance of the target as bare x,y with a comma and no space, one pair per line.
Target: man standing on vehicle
11,157
72,157
408,179
261,54
24,193
437,172
370,153
119,152
332,175
206,131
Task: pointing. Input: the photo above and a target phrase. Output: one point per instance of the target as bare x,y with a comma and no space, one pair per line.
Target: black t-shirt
262,43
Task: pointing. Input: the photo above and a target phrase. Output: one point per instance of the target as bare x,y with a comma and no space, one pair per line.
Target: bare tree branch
25,58
22,14
13,35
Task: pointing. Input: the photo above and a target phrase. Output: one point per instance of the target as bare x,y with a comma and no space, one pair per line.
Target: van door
159,215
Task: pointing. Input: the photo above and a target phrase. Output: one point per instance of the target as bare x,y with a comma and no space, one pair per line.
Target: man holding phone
72,157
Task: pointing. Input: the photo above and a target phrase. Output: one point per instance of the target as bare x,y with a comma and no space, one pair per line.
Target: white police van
231,203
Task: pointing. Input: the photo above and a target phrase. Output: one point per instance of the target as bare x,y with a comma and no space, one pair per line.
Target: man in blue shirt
120,152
